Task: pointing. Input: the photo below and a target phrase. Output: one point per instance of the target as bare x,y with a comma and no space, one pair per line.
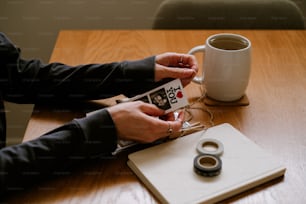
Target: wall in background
34,24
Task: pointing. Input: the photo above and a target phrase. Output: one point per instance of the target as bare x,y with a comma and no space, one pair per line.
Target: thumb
152,110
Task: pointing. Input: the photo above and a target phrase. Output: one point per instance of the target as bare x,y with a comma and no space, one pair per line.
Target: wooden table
275,118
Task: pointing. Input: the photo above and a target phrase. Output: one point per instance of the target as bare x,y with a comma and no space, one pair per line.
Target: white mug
226,66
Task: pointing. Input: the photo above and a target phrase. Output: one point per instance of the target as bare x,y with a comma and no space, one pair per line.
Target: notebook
167,169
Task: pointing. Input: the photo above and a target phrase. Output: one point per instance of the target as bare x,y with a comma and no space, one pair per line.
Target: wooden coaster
243,101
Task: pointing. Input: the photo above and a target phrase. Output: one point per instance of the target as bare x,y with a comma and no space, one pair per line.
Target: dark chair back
228,14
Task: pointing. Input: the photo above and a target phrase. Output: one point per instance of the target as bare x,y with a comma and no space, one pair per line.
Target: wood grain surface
275,119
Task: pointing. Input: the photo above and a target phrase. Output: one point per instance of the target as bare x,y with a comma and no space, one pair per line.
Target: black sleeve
30,81
55,151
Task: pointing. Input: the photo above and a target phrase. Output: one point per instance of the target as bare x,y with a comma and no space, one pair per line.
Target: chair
228,14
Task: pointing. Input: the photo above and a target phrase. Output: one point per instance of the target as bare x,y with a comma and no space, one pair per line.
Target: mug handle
199,48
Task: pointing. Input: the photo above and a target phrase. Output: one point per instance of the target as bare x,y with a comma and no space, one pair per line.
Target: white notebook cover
167,169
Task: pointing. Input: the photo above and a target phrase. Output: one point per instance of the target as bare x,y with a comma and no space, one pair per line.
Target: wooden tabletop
275,119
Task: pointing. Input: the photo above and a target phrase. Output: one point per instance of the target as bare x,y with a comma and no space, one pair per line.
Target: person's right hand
139,121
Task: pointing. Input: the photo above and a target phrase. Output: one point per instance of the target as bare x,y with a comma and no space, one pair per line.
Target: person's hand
139,121
176,65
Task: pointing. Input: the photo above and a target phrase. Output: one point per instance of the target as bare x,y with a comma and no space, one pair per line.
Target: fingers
139,121
170,59
159,129
181,73
175,65
186,75
168,120
176,124
150,109
185,61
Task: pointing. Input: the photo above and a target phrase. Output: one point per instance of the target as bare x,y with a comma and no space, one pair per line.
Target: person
31,81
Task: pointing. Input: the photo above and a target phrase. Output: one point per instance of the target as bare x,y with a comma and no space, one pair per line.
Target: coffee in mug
226,66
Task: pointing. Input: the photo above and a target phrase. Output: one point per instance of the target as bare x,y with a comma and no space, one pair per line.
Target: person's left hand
176,65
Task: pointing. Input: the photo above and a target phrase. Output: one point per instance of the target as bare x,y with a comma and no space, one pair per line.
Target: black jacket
31,81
